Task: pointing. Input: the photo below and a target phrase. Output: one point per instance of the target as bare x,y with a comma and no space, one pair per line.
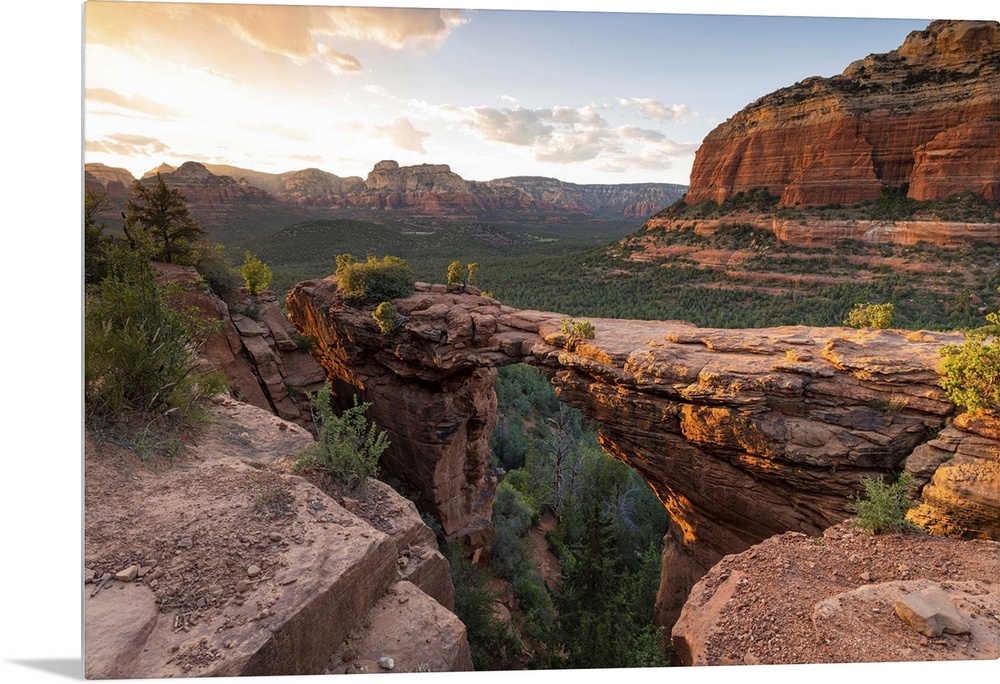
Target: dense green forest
606,530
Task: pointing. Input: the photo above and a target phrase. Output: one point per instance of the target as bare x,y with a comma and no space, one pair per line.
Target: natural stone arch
742,434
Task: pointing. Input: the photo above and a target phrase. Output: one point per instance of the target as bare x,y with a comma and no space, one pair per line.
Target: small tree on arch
455,273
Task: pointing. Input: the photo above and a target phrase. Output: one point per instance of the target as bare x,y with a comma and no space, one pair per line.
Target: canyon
756,441
742,434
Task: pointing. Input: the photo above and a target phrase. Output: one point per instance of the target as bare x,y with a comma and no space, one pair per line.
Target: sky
42,45
583,96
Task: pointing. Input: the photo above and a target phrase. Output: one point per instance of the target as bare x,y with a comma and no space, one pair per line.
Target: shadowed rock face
742,434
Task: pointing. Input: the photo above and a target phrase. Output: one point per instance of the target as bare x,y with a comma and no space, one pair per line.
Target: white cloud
337,62
135,103
567,135
393,27
127,145
656,110
561,135
404,135
301,34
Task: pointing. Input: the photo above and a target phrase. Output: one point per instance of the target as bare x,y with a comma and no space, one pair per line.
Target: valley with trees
590,407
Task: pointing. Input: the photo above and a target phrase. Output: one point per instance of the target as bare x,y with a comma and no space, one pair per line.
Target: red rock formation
438,409
741,434
925,114
812,232
221,195
260,357
959,477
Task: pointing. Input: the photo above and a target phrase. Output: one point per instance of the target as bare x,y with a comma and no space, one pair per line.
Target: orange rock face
925,114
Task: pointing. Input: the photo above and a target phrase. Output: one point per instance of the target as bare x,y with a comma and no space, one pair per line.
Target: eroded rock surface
831,598
263,358
958,473
742,434
243,567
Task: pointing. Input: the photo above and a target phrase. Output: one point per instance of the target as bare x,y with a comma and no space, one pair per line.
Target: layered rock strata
220,195
262,356
742,434
958,476
925,114
826,234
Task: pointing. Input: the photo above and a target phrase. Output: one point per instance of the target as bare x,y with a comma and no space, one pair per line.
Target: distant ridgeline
219,194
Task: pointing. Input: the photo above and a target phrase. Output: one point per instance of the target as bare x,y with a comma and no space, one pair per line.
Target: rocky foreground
844,596
222,562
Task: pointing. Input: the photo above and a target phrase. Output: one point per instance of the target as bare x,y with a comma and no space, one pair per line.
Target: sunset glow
581,96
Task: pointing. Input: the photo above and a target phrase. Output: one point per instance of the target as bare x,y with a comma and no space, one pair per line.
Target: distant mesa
926,115
217,193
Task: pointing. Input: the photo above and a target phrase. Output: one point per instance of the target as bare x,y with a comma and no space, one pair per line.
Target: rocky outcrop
742,434
308,186
836,597
926,114
116,184
958,476
240,567
262,356
438,409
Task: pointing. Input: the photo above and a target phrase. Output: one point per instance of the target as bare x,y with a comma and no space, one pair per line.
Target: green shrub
138,359
216,271
492,642
884,506
374,280
387,316
256,274
348,446
455,273
577,330
867,315
972,369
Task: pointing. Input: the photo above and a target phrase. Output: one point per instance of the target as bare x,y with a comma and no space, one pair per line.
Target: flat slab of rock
409,628
271,575
931,612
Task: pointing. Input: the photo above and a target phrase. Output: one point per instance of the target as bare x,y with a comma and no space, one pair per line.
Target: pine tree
157,221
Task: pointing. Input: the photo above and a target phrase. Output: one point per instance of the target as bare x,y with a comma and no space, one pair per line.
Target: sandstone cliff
925,114
741,434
